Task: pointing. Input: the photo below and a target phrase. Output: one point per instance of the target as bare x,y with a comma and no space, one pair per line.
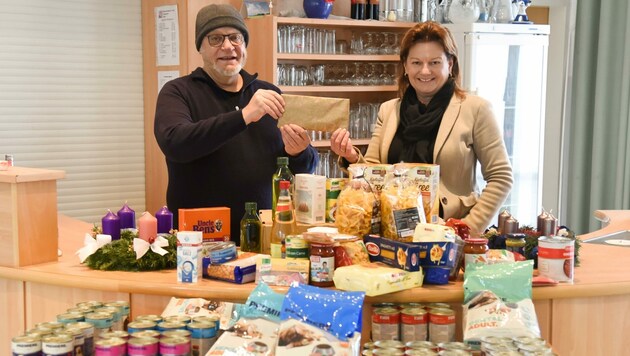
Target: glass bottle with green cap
282,173
251,229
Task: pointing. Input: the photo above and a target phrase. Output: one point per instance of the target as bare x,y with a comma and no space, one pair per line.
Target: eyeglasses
216,40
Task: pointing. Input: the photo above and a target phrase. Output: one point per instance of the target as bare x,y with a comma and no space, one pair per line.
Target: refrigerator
507,65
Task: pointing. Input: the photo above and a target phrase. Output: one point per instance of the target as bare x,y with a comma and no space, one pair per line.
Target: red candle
147,227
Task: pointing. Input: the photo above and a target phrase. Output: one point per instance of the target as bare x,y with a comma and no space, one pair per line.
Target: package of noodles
357,207
401,205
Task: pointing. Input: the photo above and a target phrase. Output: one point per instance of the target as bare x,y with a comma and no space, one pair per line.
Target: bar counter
589,317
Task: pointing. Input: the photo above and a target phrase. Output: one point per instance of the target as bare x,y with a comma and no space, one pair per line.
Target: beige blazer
468,134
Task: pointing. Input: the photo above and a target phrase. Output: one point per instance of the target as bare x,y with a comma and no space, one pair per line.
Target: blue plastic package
337,312
262,302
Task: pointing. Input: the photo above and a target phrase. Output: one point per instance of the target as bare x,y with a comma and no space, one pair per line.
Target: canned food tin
212,319
438,305
389,344
93,304
117,322
114,346
414,322
387,352
102,322
178,318
527,340
78,339
421,345
146,333
454,353
385,324
384,305
420,352
57,345
176,333
410,305
150,317
296,247
26,345
175,346
454,345
170,325
141,325
202,335
115,333
39,332
368,345
66,318
441,325
52,325
88,335
80,310
145,346
555,258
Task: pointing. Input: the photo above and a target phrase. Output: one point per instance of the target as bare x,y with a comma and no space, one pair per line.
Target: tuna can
150,317
67,318
170,325
413,326
125,310
39,332
78,339
26,345
141,325
88,335
102,322
143,346
52,325
441,325
296,247
178,318
80,310
57,345
555,258
114,346
146,333
385,324
203,335
175,346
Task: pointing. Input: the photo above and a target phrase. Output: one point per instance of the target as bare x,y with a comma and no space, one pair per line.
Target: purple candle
164,220
111,225
127,217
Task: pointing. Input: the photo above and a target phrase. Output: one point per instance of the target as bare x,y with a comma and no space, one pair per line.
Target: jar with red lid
475,250
322,258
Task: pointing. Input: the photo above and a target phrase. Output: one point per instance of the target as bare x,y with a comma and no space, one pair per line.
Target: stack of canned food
95,328
411,322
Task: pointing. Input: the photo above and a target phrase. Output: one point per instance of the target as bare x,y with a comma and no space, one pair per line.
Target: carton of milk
188,255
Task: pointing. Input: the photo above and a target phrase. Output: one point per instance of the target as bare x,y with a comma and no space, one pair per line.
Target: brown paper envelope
315,113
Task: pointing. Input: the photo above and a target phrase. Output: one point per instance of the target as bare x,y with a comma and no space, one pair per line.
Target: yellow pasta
355,206
398,194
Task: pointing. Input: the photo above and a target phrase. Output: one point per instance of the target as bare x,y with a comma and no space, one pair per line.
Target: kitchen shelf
337,88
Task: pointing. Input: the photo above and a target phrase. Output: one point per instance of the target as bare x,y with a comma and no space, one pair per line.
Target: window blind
71,99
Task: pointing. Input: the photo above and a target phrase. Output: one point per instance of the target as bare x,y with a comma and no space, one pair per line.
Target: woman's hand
295,139
341,144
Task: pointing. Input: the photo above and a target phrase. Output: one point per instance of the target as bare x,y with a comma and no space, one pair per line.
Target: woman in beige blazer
435,121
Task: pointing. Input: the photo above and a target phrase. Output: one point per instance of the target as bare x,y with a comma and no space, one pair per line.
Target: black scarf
419,123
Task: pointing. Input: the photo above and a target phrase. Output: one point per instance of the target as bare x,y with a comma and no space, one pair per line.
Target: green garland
120,256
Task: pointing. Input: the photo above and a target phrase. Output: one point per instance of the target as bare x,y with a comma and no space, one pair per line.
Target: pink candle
147,227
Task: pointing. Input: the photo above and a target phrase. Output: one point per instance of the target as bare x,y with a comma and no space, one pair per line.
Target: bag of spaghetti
401,205
357,206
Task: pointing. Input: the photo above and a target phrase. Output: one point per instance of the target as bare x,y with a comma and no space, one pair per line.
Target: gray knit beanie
214,16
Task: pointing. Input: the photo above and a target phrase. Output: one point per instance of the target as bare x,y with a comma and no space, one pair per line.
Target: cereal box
214,223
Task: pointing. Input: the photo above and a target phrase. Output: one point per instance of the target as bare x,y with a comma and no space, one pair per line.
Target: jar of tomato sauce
322,258
475,250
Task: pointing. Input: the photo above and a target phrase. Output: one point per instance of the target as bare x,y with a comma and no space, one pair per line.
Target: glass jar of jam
475,250
322,258
515,242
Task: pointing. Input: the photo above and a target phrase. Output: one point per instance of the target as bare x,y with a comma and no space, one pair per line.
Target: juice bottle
284,223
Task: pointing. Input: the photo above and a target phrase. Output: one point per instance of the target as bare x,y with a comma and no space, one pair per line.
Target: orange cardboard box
213,222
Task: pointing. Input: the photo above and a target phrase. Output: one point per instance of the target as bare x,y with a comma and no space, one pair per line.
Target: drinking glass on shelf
356,43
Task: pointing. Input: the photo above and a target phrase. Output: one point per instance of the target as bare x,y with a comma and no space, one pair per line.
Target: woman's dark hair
429,31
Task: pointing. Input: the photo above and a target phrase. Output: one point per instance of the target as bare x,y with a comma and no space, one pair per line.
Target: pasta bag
357,208
401,204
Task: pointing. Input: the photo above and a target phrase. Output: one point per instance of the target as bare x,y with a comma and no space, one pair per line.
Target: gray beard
230,72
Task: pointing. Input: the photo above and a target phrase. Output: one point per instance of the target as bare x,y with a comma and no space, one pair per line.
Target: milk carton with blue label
188,255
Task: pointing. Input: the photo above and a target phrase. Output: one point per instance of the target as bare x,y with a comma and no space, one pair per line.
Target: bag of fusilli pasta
401,205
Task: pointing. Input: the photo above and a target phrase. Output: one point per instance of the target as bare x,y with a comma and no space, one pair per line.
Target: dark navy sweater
212,157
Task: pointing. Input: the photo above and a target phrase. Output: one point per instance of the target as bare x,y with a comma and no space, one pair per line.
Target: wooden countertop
603,272
25,174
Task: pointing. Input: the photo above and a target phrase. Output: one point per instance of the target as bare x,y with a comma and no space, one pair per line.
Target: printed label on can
441,326
26,346
385,324
413,325
556,258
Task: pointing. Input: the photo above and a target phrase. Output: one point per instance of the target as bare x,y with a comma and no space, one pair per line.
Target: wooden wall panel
142,304
44,302
11,312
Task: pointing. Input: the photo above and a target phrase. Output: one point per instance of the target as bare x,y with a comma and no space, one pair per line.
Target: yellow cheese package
375,279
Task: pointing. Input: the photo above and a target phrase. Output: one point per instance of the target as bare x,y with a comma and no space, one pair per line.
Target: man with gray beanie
217,126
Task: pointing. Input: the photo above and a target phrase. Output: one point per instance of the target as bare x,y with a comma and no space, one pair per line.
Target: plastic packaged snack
401,201
357,208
